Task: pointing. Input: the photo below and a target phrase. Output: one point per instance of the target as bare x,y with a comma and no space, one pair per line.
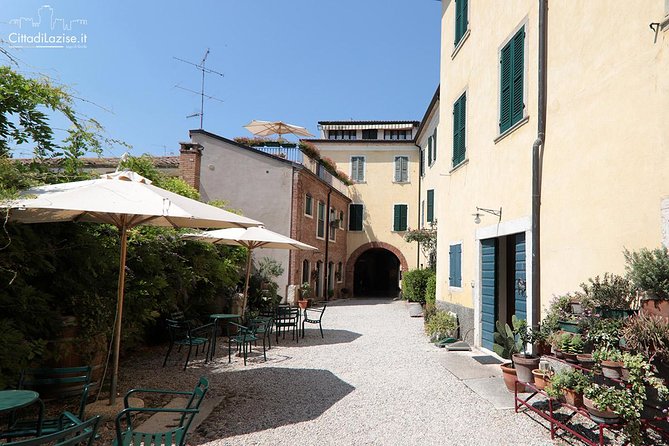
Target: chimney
190,159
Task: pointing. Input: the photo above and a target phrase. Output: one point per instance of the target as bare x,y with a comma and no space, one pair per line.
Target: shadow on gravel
270,397
313,337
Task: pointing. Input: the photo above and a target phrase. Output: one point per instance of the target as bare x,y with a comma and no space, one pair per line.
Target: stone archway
361,250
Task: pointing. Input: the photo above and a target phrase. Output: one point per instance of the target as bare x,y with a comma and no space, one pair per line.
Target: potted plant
571,345
569,383
305,293
561,311
610,360
586,360
611,296
649,335
540,336
607,404
542,378
506,344
523,361
648,271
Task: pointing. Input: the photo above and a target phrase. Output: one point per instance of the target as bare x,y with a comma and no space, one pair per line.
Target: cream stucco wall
379,193
606,159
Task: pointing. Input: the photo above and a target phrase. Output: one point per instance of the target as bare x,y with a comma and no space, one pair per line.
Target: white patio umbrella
125,200
251,238
266,128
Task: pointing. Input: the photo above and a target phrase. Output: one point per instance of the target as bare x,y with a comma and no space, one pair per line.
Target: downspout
420,180
327,245
537,155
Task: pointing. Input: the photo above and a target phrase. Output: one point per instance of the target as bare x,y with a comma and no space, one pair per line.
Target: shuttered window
459,125
455,265
320,228
400,217
430,205
358,168
512,68
401,169
355,212
429,151
422,162
460,19
434,145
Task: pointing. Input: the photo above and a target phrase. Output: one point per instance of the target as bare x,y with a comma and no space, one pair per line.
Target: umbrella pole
119,313
246,286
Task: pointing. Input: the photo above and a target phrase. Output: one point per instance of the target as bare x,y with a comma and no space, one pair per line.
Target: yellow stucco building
603,158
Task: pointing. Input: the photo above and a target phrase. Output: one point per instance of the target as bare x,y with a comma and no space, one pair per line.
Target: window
459,120
332,229
355,212
400,217
429,151
434,145
401,169
308,205
341,134
460,20
455,265
421,167
341,220
512,61
397,134
339,274
305,272
320,227
370,134
358,169
430,205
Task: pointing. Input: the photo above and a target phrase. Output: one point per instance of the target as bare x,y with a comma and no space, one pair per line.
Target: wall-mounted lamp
477,215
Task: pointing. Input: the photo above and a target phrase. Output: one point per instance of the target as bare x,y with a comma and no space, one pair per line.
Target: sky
299,61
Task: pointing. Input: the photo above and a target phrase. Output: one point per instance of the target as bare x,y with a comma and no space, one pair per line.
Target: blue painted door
520,292
488,291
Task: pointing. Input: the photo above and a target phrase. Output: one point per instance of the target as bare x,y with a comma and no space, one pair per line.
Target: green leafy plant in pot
648,271
610,360
506,344
305,294
571,345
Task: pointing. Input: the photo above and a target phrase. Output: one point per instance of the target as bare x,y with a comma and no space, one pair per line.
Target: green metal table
219,317
11,400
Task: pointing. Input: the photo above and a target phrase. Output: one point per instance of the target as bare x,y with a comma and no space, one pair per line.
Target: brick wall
304,228
190,160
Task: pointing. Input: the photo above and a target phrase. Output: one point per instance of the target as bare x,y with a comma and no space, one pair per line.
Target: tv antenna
201,66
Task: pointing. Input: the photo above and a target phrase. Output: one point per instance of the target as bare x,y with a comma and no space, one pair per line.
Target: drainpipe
537,153
327,245
420,180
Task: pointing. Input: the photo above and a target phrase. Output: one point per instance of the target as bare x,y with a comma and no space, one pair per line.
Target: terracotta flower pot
573,398
541,379
585,359
303,303
600,416
571,357
509,375
612,369
524,366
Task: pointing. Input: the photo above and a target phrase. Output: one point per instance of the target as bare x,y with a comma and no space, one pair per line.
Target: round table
15,399
218,317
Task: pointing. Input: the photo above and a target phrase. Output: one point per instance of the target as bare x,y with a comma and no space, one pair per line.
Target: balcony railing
290,153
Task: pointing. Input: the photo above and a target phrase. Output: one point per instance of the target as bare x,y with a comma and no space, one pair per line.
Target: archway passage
376,273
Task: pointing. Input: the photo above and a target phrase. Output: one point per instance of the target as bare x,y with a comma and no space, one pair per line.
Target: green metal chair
52,383
314,319
243,339
287,318
182,334
127,433
263,328
80,433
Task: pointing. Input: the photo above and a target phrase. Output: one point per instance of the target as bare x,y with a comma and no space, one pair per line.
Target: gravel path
373,380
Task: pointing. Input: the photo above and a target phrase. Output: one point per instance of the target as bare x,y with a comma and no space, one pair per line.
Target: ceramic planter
510,378
303,303
541,379
612,369
570,326
524,366
600,416
573,398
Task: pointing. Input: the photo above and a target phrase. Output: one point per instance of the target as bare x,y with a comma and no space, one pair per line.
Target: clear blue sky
299,61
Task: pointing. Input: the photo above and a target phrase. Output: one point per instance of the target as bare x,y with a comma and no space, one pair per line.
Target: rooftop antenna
204,70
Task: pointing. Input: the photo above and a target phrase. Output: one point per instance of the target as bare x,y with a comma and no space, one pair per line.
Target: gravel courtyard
373,380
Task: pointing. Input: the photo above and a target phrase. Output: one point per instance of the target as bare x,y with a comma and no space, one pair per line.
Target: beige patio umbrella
250,238
125,200
266,128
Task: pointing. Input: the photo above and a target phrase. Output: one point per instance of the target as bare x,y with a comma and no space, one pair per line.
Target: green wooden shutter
512,72
429,151
459,123
434,144
460,19
355,217
396,218
400,217
430,205
518,71
404,168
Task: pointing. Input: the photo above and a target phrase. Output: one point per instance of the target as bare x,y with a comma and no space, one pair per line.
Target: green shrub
414,284
649,270
441,325
431,290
